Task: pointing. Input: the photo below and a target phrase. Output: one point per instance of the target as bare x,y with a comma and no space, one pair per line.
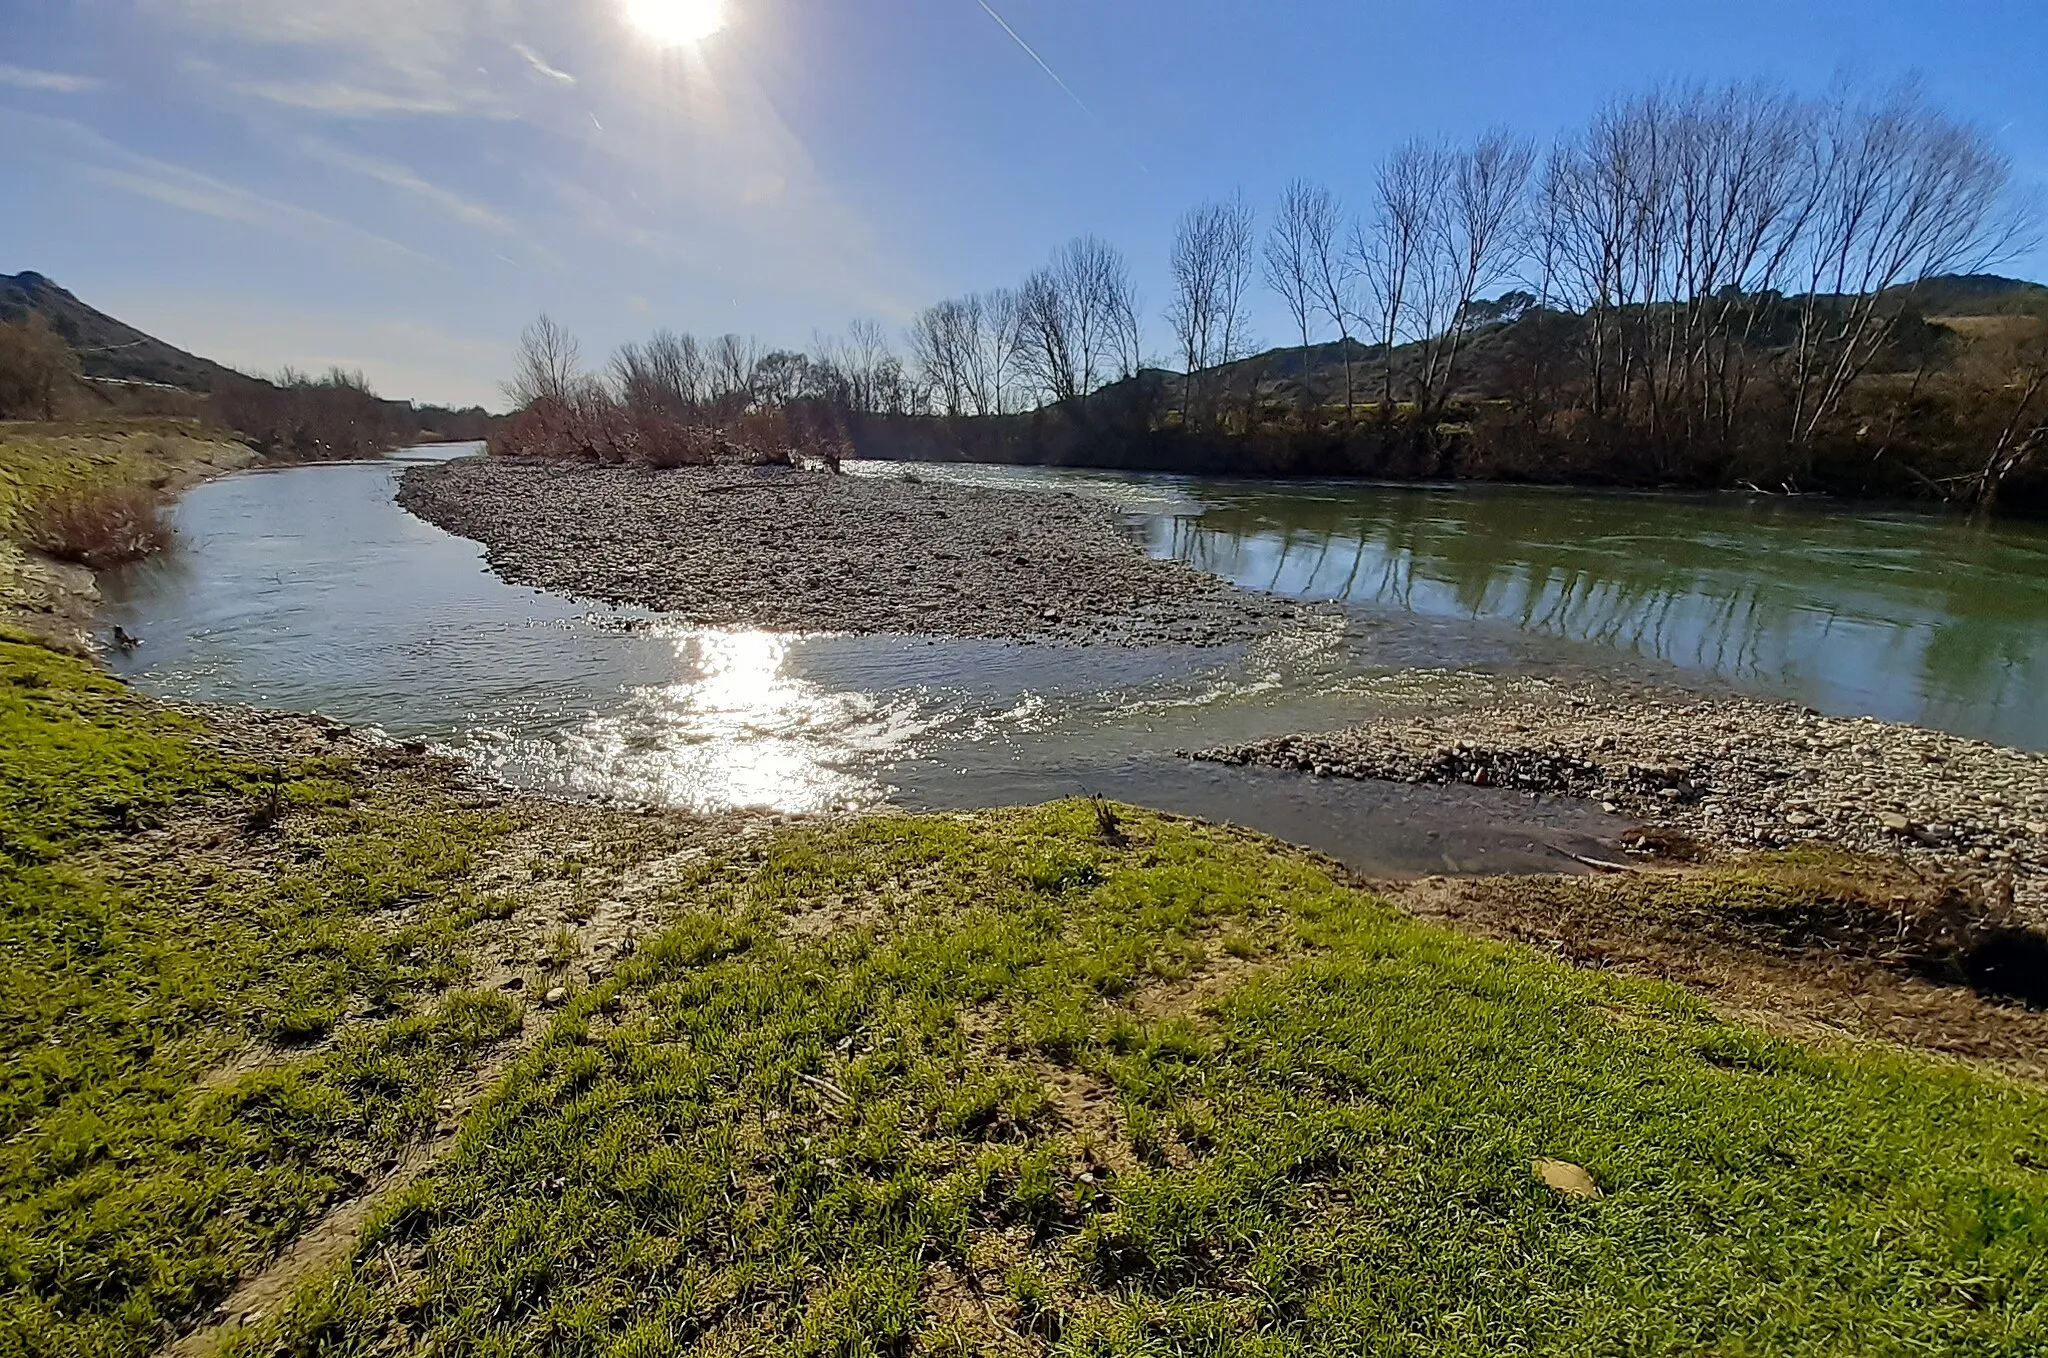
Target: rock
2037,828
1567,1178
514,983
1895,823
1801,820
556,997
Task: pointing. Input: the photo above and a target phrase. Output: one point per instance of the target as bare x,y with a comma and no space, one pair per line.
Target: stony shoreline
785,550
1734,774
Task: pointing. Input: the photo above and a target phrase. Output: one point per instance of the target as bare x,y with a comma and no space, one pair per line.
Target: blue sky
399,185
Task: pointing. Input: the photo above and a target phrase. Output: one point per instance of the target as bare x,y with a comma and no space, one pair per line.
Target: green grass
42,463
1183,1096
164,910
50,461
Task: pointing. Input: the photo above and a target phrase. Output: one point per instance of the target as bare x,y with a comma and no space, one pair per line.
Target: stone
555,997
1573,1181
2036,827
1895,823
1800,820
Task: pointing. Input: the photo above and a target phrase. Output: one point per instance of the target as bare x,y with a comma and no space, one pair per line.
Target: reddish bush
611,433
98,528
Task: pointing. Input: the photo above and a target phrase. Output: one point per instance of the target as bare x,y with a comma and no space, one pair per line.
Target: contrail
1032,52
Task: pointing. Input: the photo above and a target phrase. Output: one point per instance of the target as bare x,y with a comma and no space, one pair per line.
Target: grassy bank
1024,1081
87,494
236,982
994,1083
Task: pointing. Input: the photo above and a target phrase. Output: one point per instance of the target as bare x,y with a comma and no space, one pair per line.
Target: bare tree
1901,192
1334,278
35,366
1393,250
1046,326
872,376
548,366
1212,264
1078,321
1479,236
943,339
729,375
1001,342
676,364
1290,264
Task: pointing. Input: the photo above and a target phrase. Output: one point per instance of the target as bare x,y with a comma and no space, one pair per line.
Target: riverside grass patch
165,915
994,1083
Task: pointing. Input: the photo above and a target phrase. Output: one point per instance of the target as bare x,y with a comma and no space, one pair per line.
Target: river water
309,589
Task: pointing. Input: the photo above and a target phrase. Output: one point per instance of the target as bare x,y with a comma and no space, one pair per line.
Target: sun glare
677,23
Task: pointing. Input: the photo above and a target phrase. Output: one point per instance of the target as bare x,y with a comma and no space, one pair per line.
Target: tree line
1702,285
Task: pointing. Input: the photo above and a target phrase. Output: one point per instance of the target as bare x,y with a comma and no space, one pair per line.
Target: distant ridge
109,349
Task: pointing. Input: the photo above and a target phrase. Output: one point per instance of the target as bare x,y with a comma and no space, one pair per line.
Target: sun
677,23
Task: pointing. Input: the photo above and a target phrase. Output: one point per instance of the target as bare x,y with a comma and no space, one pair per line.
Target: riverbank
127,465
313,1041
255,969
318,1044
789,551
1048,1080
1732,774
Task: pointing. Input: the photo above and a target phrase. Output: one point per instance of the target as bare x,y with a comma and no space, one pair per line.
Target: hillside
1966,304
107,348
294,417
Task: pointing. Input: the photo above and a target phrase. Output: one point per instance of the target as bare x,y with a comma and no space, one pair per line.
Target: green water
1909,617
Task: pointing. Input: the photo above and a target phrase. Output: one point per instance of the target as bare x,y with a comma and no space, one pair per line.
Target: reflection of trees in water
1858,605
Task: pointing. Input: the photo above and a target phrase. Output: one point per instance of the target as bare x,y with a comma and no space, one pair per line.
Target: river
309,589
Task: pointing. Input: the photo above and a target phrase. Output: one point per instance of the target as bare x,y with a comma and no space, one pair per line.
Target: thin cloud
359,59
399,177
175,186
358,101
540,65
49,82
178,187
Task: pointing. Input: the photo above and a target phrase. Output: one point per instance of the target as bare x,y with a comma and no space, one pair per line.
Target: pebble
557,996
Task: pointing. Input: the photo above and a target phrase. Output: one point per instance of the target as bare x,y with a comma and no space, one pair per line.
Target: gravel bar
785,550
1733,773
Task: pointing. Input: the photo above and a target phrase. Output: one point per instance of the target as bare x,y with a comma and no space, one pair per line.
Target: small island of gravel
1733,774
786,550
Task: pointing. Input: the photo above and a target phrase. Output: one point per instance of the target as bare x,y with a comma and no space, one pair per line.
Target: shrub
97,528
594,428
36,365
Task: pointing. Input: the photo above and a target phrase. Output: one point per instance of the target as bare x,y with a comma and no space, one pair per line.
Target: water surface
309,589
1912,617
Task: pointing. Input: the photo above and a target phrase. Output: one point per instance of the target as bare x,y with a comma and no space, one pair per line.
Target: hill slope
108,348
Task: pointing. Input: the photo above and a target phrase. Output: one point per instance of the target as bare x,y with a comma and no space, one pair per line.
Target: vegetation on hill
62,358
1718,288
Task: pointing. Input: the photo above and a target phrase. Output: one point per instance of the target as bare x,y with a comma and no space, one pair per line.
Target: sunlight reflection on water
733,729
